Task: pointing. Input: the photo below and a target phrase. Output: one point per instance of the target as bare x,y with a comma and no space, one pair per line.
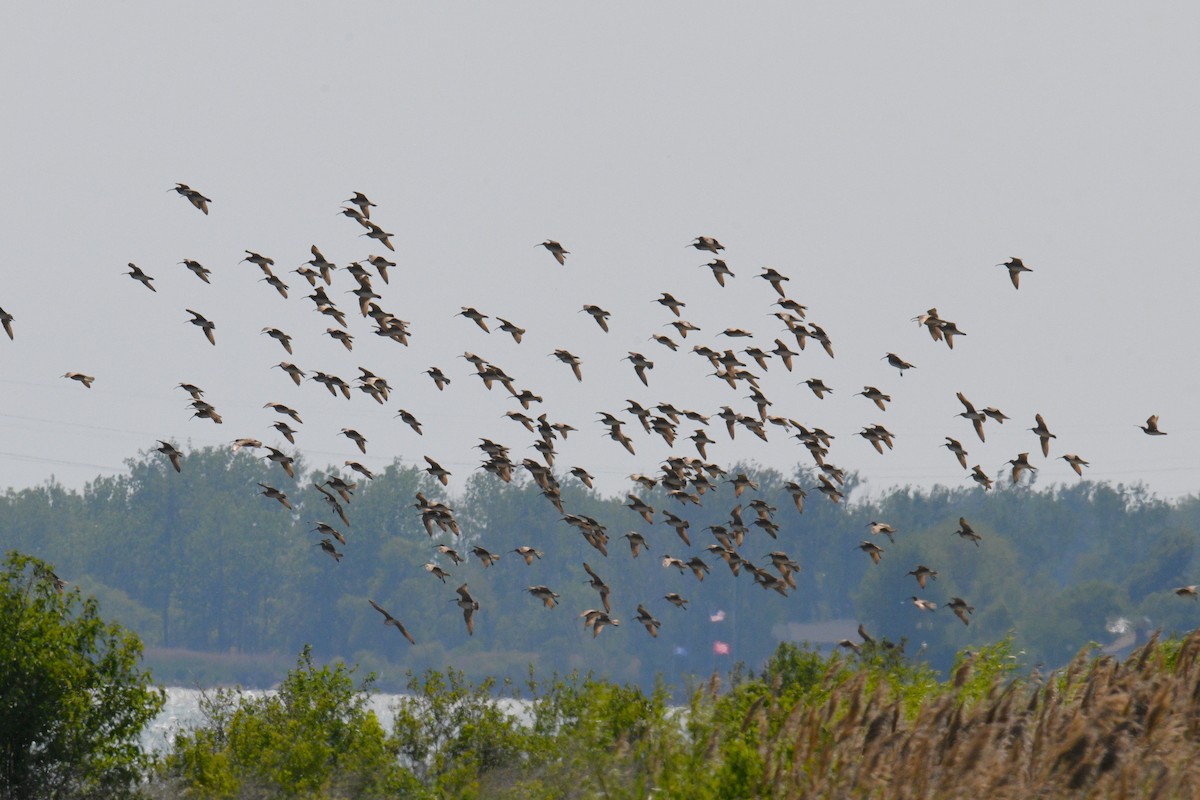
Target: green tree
315,737
73,701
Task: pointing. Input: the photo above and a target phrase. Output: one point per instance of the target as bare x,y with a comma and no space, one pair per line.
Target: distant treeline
200,560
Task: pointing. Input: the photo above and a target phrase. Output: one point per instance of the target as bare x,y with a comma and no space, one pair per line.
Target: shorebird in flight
170,451
961,609
1015,268
1045,435
195,198
136,273
388,619
1076,463
707,243
1151,427
556,250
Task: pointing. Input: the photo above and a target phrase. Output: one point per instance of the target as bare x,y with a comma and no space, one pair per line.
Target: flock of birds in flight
686,479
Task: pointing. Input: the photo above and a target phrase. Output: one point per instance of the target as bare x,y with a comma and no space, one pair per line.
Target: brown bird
475,316
6,319
512,330
197,269
238,444
86,380
571,360
1019,465
327,546
469,606
599,585
1015,268
875,396
882,527
377,233
977,417
961,609
1076,463
439,378
285,430
346,339
980,477
280,337
280,408
436,470
528,553
1191,591
674,599
583,475
636,542
134,272
775,278
719,269
818,387
1151,427
707,243
871,549
364,207
485,557
195,198
409,420
355,437
556,250
954,446
1045,435
640,365
206,325
388,619
436,571
599,314
325,529
967,532
544,594
275,494
282,459
666,299
170,451
648,620
921,573
897,362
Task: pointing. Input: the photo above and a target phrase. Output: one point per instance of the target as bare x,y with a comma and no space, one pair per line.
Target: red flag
720,649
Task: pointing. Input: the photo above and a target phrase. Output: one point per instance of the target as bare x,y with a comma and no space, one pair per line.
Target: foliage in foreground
73,700
872,724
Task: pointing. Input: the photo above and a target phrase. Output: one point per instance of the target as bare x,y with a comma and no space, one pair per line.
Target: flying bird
136,273
388,619
1076,463
205,324
1045,435
86,380
1151,427
556,250
195,198
961,609
469,606
1015,268
170,451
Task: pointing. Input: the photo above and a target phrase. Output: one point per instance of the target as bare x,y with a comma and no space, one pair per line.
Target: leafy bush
73,701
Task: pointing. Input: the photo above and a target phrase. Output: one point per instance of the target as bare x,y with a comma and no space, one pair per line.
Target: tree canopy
73,698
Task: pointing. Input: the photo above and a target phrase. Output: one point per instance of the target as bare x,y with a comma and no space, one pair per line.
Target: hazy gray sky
884,156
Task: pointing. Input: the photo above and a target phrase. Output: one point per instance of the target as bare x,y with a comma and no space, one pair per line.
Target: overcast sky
886,157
